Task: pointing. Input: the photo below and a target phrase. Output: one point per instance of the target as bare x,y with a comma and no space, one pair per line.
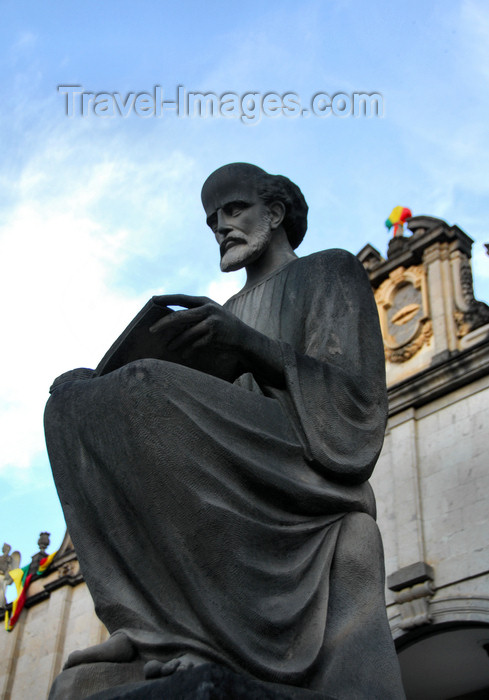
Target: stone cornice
446,374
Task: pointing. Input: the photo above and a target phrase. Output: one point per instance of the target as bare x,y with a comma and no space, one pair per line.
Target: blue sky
97,214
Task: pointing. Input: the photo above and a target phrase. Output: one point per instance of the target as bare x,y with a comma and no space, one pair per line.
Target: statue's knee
360,524
147,372
138,370
360,546
147,386
56,408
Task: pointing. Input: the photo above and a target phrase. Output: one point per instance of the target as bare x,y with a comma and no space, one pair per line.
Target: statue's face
241,224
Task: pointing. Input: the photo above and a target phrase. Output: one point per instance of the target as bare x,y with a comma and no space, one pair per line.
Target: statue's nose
223,225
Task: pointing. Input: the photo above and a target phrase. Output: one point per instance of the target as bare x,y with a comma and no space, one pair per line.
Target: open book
137,342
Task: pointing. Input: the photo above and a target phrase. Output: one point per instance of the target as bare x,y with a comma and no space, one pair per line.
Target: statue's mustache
229,242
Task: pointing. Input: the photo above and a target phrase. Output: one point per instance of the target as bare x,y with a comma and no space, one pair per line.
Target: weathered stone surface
208,682
83,681
410,576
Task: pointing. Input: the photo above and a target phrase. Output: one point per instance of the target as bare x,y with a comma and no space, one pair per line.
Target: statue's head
245,182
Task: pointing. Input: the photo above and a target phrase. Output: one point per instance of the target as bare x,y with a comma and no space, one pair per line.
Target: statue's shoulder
331,262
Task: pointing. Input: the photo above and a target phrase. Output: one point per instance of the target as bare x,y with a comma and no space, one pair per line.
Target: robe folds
211,517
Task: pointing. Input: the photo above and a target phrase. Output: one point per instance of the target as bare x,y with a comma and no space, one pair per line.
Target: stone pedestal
208,682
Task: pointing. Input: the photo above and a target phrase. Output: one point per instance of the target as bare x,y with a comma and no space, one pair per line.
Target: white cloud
59,255
50,293
24,43
224,287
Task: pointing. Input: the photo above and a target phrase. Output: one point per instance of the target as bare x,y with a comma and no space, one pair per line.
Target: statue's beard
255,243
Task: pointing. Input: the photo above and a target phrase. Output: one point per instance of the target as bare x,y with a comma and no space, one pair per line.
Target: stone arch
448,658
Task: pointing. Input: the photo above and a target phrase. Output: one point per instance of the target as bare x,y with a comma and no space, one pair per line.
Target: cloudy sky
99,212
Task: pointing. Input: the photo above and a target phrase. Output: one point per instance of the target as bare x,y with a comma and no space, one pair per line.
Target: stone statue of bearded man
217,493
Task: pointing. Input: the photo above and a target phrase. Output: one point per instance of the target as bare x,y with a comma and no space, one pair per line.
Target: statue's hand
205,335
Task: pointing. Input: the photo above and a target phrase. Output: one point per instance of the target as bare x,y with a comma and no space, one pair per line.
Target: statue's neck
278,254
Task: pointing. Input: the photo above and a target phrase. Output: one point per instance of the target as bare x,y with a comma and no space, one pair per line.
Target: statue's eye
235,208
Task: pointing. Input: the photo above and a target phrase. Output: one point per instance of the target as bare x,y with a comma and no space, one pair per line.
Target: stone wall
432,486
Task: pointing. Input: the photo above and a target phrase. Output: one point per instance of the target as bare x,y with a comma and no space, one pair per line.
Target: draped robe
207,515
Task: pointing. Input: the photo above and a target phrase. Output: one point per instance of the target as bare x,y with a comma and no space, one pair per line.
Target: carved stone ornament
473,313
402,302
413,587
414,605
8,562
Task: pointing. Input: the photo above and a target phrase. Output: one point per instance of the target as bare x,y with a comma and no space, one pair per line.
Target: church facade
431,484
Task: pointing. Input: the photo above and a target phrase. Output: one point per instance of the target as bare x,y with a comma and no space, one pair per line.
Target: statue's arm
210,338
204,336
336,378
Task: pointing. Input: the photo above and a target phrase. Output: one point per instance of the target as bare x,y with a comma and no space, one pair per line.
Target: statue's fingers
188,338
163,322
200,343
185,318
185,300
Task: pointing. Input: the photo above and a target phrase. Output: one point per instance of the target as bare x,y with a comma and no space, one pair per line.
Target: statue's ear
277,213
